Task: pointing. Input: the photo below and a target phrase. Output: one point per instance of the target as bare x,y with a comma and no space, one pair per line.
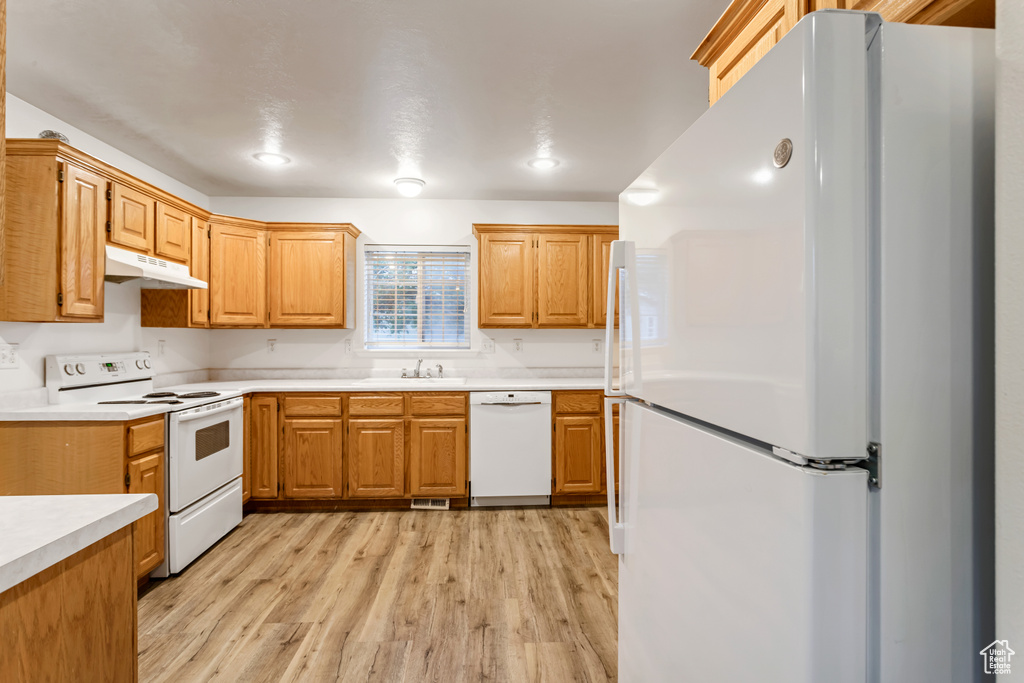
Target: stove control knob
80,368
69,369
146,363
138,364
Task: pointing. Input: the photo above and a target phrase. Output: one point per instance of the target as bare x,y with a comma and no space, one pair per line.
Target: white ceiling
458,92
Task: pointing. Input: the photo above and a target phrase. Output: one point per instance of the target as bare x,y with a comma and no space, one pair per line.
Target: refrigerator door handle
616,529
616,262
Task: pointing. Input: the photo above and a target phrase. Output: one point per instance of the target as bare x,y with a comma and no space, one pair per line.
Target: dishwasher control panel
490,398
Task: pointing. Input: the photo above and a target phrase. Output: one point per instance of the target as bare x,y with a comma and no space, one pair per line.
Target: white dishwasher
510,448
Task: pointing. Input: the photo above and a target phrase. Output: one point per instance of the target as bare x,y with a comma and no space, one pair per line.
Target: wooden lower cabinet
312,457
376,458
438,457
263,445
578,454
146,475
246,448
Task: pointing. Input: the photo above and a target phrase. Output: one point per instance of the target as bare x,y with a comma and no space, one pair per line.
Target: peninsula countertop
40,531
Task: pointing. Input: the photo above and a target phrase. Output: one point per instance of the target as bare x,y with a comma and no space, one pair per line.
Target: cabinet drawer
578,401
312,406
376,404
437,404
145,437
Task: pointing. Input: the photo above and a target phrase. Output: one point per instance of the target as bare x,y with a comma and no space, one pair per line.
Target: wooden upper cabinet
437,457
506,282
307,278
263,447
748,29
238,294
173,233
563,280
82,257
199,299
538,275
376,458
146,475
601,249
132,218
312,458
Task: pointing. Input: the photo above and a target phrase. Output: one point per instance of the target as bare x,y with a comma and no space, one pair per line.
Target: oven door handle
230,405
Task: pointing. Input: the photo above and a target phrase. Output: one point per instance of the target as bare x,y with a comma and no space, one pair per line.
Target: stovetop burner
104,403
169,401
161,394
200,394
138,402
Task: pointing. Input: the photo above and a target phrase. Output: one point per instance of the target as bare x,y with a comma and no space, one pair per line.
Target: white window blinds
417,299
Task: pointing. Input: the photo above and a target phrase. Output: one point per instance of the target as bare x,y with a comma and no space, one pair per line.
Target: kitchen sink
413,381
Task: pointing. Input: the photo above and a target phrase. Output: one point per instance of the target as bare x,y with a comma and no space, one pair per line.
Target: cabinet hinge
110,194
60,299
108,226
127,481
60,176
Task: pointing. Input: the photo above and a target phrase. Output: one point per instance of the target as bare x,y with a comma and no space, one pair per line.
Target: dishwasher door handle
513,405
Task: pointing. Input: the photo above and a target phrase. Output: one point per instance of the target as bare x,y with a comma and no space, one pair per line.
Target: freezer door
749,280
737,566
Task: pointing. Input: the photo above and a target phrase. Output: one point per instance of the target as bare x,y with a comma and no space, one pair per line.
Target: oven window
212,439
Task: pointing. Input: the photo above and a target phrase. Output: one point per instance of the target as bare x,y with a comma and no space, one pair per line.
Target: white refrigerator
805,368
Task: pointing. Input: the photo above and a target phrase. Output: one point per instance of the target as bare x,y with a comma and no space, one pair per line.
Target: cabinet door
246,448
263,447
307,278
376,458
199,299
132,215
312,458
578,454
238,294
146,475
563,280
437,457
599,257
173,233
506,279
82,256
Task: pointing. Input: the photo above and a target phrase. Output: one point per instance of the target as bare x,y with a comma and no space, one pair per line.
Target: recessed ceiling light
409,187
641,196
271,159
542,163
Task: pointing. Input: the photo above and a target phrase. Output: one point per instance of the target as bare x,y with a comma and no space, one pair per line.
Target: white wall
184,350
413,222
1010,327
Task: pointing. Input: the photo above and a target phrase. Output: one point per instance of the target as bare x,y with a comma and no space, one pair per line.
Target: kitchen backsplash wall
411,222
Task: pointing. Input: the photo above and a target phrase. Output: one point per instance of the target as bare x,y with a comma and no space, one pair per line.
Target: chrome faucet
419,362
440,371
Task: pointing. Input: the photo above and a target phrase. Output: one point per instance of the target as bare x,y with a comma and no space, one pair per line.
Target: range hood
123,265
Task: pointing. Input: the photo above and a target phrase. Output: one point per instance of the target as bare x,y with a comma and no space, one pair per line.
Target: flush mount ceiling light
542,163
409,187
641,196
271,159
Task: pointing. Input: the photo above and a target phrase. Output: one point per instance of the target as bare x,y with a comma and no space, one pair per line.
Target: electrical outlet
517,345
348,346
161,345
271,345
8,356
596,345
487,345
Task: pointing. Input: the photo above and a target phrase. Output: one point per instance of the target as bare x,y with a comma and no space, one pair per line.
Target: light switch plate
8,356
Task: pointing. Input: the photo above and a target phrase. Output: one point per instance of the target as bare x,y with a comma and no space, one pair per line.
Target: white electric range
204,432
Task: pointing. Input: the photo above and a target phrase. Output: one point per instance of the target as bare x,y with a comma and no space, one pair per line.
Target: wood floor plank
464,595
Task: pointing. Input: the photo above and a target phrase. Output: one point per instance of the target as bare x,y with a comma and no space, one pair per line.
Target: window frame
366,348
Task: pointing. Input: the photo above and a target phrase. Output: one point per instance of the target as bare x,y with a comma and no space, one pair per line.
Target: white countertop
229,389
37,532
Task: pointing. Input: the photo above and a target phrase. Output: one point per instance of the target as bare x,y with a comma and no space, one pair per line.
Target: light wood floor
475,595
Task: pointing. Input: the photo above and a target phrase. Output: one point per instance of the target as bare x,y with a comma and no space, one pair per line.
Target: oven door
204,450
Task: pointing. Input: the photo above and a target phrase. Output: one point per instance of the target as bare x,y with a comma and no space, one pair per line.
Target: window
416,298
